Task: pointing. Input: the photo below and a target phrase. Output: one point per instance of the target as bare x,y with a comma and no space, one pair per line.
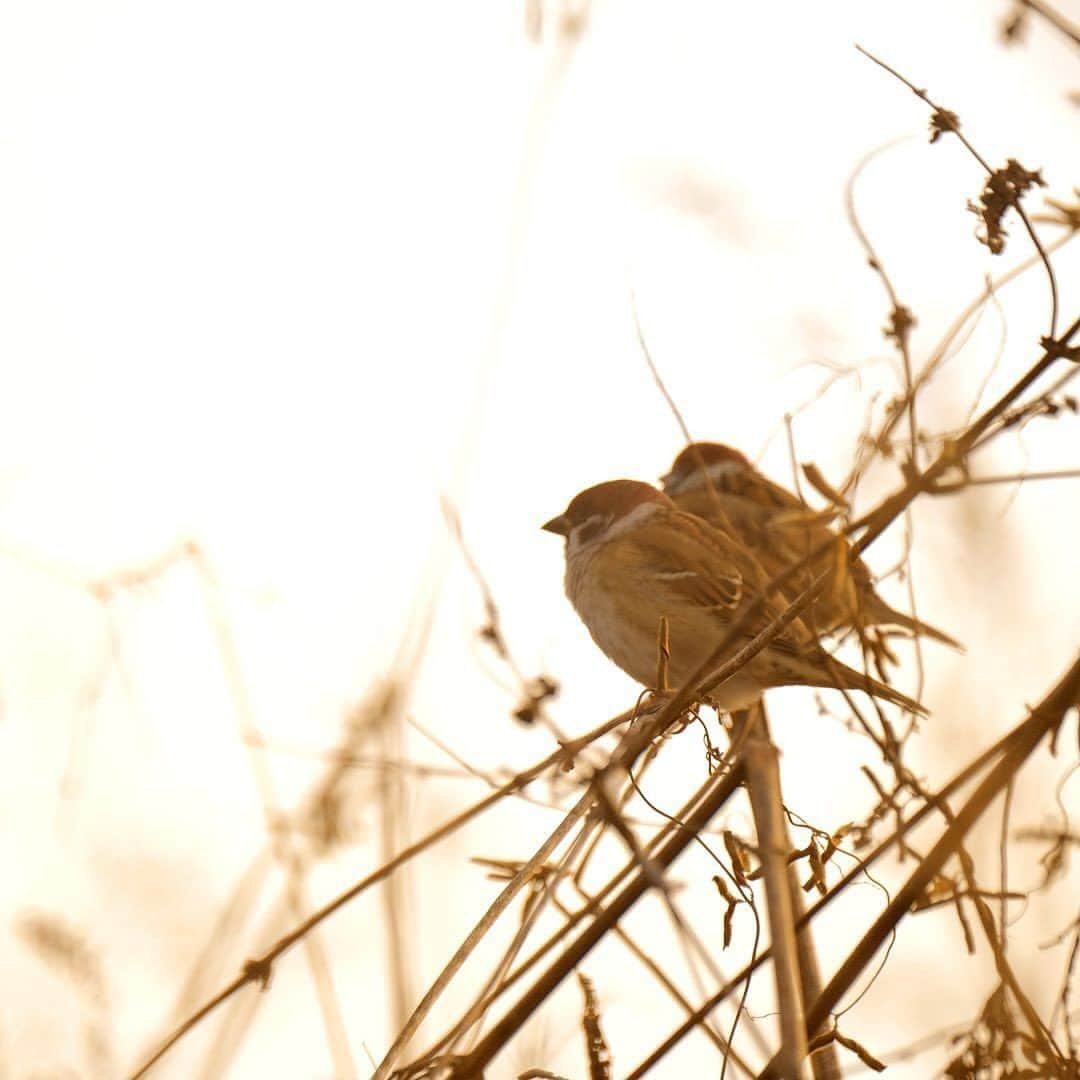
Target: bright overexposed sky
276,278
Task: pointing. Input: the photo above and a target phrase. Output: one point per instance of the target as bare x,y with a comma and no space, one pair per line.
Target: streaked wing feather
761,490
690,566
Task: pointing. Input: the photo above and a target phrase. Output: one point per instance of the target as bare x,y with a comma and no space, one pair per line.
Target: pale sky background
274,277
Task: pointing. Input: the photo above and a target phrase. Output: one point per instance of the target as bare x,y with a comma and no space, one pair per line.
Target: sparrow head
689,468
603,511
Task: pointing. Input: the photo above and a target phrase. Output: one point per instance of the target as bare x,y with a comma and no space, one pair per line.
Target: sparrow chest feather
614,614
771,528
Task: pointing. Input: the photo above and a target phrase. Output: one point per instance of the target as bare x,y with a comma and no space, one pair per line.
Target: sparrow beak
559,525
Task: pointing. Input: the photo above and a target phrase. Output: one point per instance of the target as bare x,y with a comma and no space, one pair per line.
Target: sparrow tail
892,617
851,679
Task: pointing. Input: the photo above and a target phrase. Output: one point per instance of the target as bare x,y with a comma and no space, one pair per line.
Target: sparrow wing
753,523
717,547
760,490
790,528
688,560
699,566
794,531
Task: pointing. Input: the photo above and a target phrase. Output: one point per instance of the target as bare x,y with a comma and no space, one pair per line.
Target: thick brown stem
763,787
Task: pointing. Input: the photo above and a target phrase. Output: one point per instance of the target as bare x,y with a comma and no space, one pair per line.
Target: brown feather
678,567
781,530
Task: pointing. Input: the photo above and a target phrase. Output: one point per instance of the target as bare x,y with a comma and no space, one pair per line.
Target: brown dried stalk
1044,720
963,777
259,969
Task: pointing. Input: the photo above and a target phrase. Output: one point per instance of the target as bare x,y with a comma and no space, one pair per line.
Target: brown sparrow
718,484
633,557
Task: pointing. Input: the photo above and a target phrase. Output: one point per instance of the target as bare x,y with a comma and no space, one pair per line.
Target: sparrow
632,557
720,485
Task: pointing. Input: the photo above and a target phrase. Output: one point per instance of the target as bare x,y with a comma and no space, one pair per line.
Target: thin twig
950,123
259,970
1054,18
718,790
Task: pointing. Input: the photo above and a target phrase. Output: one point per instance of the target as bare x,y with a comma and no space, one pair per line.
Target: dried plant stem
875,522
642,856
767,805
954,129
528,871
621,760
824,1063
394,892
1044,720
905,826
957,450
941,349
658,973
543,894
259,970
594,905
287,851
900,318
1039,1031
627,752
717,790
1055,19
1009,478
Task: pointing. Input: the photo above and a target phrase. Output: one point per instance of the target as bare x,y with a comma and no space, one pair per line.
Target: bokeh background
278,279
